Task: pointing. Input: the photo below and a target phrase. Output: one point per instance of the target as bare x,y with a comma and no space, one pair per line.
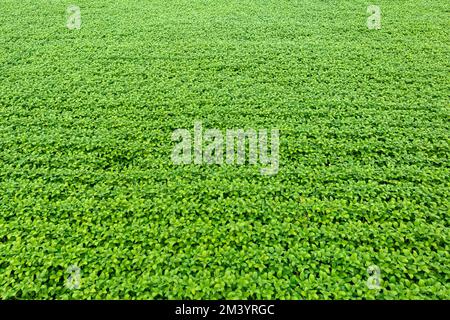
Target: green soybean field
349,199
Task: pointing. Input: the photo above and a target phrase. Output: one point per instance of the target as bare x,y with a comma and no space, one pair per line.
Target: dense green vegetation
86,178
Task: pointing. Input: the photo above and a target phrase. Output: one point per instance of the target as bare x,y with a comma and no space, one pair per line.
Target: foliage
86,118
